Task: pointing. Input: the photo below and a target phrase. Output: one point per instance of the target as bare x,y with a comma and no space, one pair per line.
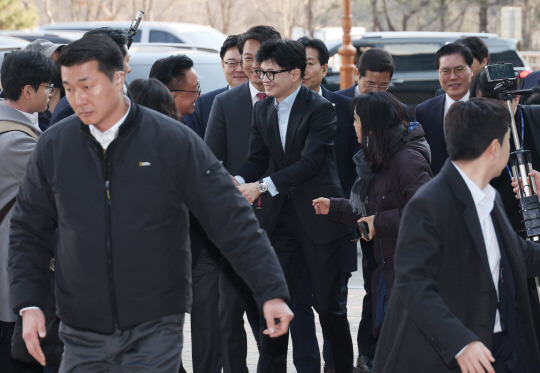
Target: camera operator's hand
534,174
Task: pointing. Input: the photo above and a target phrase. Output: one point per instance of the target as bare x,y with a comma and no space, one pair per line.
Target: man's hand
321,205
369,221
33,324
276,309
475,358
534,174
250,191
236,183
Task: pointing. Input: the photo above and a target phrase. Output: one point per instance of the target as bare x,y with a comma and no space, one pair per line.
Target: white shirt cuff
271,186
460,351
240,180
28,308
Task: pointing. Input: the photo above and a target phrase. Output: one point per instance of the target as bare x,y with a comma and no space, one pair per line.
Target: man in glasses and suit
453,62
294,130
227,135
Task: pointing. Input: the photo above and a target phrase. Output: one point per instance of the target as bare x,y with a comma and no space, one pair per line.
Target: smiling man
295,129
228,137
109,192
453,62
178,74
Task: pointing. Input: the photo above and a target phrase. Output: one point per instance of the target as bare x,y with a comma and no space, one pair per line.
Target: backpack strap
8,126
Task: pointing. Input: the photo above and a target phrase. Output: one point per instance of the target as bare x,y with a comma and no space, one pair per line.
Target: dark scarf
365,174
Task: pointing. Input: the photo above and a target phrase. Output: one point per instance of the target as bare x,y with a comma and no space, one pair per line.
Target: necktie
261,96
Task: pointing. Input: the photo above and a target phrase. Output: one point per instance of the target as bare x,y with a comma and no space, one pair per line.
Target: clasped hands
250,191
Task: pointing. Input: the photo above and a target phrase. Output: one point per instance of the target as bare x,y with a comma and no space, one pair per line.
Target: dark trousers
306,355
7,364
153,346
235,299
206,345
366,341
323,263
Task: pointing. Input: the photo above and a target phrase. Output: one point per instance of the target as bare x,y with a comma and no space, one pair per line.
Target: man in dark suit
460,297
480,53
306,355
231,63
453,61
373,73
227,135
296,128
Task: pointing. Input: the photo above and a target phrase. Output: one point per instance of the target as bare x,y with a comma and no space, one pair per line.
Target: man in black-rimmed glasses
295,128
178,74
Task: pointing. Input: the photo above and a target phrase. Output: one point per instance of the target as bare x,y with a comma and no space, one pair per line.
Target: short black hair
376,59
230,42
454,48
154,95
317,44
382,117
289,54
470,126
99,48
260,33
478,48
482,87
25,67
118,35
534,98
171,70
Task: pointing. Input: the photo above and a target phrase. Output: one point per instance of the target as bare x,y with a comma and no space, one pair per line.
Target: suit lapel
470,213
297,112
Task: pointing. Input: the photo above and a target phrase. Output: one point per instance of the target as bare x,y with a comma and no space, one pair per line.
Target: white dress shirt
484,200
449,101
105,138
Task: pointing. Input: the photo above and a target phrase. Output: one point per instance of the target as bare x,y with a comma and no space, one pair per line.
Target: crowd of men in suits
283,140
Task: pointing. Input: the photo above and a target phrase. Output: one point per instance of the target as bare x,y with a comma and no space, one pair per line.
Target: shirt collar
33,118
320,91
105,138
484,199
252,90
289,100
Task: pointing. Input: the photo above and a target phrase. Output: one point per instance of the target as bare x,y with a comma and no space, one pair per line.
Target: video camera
520,159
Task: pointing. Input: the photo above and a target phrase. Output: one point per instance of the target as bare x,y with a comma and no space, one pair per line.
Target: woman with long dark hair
392,164
154,95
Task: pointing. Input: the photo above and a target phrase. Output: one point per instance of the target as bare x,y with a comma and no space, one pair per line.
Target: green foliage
14,15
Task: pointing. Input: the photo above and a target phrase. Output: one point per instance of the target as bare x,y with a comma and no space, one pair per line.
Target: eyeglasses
196,93
270,75
458,71
49,86
382,87
232,63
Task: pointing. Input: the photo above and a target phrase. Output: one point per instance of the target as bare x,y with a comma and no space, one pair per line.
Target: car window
413,56
163,37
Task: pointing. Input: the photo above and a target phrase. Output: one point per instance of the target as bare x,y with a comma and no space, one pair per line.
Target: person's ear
324,69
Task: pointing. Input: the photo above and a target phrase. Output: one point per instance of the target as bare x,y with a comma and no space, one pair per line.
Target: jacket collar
125,127
461,191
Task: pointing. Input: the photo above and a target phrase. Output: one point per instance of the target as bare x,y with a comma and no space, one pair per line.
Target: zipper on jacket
105,168
108,202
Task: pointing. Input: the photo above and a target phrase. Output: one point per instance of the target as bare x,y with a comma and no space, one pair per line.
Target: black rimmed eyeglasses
49,86
197,92
270,75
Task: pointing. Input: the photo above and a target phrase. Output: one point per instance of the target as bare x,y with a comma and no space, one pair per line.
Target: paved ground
356,294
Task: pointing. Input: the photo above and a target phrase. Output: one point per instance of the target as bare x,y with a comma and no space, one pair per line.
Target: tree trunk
482,16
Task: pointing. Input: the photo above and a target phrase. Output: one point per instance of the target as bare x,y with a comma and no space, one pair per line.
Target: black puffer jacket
388,192
123,253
